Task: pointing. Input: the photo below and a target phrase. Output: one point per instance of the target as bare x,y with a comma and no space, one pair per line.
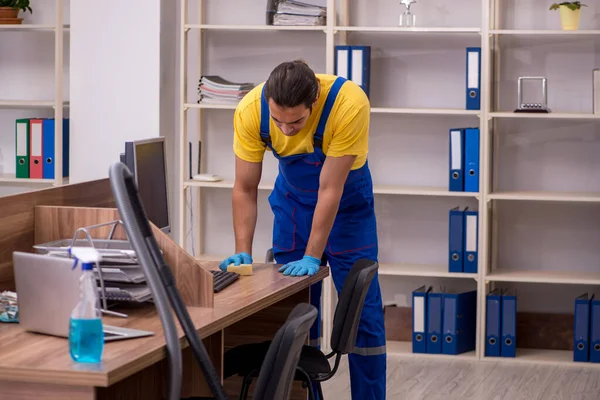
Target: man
317,127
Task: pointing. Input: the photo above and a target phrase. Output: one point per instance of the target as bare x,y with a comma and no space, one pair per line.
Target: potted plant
569,14
9,10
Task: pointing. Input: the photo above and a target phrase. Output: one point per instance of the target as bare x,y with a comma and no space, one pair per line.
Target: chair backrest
279,366
350,305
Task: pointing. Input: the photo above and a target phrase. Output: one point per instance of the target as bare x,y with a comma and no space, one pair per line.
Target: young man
317,126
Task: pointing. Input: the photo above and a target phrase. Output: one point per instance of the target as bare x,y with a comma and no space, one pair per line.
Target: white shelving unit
339,30
58,103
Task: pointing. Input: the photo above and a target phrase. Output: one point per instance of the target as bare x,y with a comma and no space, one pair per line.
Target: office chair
313,366
280,360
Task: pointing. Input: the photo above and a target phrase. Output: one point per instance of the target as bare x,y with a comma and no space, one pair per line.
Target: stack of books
216,90
296,13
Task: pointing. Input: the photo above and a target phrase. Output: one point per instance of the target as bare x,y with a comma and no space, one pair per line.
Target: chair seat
246,358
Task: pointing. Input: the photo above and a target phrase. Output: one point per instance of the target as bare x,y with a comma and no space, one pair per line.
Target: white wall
115,81
421,71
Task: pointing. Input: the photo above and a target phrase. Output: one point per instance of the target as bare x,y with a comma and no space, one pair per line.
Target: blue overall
353,236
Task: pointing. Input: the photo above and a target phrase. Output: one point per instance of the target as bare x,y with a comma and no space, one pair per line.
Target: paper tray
113,247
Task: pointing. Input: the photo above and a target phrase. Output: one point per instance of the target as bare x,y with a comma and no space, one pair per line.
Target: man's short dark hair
291,84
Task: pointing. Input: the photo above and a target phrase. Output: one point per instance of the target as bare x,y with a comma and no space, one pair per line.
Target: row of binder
354,63
35,150
463,241
443,322
501,323
586,330
464,160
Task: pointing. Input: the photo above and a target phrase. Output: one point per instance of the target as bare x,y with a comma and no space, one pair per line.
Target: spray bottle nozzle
87,255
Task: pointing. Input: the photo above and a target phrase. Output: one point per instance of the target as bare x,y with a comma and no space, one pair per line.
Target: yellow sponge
242,269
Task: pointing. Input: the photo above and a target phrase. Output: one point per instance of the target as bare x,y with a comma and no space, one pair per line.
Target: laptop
48,291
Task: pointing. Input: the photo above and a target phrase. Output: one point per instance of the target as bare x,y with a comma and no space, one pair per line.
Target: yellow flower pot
569,18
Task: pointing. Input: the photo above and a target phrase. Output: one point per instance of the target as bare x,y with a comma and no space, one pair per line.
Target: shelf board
542,32
397,29
31,27
29,103
11,178
256,27
440,271
551,115
214,106
544,276
404,349
377,189
374,110
547,196
543,356
428,111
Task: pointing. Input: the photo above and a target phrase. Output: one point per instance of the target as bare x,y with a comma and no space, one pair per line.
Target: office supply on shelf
509,324
594,339
596,83
456,158
407,18
207,178
354,63
456,223
435,314
216,90
460,322
419,319
222,279
493,323
22,147
471,241
473,78
537,105
199,157
151,178
296,13
36,165
48,290
471,164
190,159
581,329
48,150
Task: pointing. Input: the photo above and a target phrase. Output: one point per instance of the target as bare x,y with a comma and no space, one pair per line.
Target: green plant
20,4
572,5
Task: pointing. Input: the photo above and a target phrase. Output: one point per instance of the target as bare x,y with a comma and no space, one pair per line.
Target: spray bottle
86,336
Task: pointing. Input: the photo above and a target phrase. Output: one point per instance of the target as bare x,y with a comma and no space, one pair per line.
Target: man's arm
331,186
244,202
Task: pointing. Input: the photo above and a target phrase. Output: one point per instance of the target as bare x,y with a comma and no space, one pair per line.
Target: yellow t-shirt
346,131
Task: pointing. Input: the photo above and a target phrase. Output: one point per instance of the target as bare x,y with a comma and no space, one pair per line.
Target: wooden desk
36,366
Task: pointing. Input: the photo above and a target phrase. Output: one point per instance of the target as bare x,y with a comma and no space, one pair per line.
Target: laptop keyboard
222,279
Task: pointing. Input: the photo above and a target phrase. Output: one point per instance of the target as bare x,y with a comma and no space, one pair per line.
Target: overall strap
265,118
331,96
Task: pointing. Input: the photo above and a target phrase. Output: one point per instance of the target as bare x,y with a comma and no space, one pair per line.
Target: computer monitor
150,171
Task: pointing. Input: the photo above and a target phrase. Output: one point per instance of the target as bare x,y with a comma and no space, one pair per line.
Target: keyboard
222,279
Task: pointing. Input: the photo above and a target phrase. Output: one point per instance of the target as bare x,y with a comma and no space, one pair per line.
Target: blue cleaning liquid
86,340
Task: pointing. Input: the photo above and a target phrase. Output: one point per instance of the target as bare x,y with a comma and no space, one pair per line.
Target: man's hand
306,266
244,198
331,186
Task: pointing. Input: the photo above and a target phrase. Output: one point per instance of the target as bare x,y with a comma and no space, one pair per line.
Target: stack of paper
216,90
296,13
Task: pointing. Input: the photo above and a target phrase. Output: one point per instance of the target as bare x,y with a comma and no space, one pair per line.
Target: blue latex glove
306,266
236,259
